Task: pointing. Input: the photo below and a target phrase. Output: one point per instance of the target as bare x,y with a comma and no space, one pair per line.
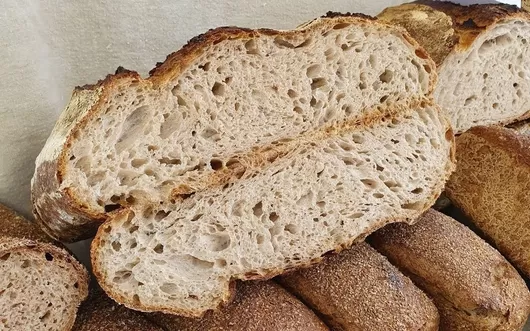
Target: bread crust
472,284
360,290
258,306
443,27
63,214
491,186
100,313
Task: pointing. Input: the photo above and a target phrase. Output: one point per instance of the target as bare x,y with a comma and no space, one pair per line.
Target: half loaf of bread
41,285
246,153
483,57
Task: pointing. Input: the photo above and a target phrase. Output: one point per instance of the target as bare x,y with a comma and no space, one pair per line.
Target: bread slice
41,285
100,313
491,186
231,101
359,289
472,284
323,196
483,58
257,306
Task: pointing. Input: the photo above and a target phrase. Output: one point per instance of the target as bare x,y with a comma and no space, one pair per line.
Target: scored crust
65,215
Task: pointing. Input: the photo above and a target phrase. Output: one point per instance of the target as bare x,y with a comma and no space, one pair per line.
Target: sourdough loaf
100,313
257,306
472,284
247,153
41,285
492,187
359,289
483,57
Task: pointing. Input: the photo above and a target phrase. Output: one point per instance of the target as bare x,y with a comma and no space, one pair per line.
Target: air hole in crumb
169,161
45,316
378,195
251,47
369,183
48,256
205,66
282,43
136,163
292,93
216,164
196,217
495,105
136,299
417,190
116,246
218,89
386,76
292,228
317,83
340,26
5,257
298,110
313,70
159,249
412,206
160,215
110,208
273,217
258,209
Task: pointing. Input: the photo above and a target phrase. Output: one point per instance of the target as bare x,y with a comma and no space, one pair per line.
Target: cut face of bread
41,286
489,83
214,109
483,58
322,195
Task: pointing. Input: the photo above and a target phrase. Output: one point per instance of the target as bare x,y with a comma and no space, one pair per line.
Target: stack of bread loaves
250,154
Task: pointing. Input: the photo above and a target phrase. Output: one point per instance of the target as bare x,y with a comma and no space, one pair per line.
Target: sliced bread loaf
492,187
100,313
257,306
232,101
359,289
472,284
41,285
483,58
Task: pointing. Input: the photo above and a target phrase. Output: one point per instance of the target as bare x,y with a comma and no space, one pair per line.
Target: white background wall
48,47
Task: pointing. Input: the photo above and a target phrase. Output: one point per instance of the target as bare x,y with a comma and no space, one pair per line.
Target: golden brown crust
258,306
100,313
473,286
72,219
443,27
492,185
359,289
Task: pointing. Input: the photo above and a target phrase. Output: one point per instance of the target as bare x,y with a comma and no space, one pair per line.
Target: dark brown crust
100,313
61,256
14,225
491,186
473,286
359,289
258,306
457,32
65,216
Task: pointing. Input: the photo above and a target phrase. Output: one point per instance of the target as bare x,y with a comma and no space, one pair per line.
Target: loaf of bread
100,313
359,289
472,284
492,187
41,284
247,153
258,306
483,57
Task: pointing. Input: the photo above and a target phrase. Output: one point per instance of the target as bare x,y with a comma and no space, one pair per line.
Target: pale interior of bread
490,82
237,95
321,196
38,291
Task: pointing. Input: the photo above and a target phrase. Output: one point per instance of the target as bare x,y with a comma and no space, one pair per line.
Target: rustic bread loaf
359,289
41,285
472,284
483,58
230,102
100,313
258,306
492,187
